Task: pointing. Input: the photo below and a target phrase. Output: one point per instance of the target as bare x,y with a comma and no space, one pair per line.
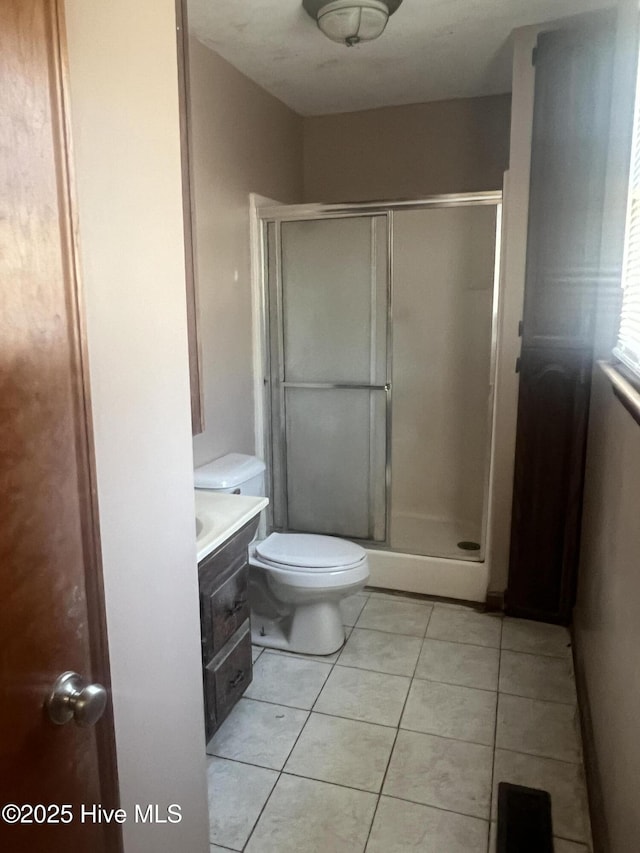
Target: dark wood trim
188,214
599,828
548,479
87,486
495,602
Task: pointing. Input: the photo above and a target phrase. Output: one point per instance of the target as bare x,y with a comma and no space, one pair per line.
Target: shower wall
442,321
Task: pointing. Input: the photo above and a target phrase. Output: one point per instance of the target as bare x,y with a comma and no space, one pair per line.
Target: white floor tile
539,728
396,617
464,626
435,771
258,733
559,844
564,782
237,793
256,651
306,816
459,663
522,635
351,608
437,789
372,697
537,677
452,711
287,680
401,827
381,652
341,751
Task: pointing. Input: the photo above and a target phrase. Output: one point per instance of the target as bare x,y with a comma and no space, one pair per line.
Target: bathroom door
51,605
330,382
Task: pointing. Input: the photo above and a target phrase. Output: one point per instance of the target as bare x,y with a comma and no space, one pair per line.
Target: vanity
225,525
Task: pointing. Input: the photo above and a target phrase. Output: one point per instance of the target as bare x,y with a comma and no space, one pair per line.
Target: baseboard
594,787
495,601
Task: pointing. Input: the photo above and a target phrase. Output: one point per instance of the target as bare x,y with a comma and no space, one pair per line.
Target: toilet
297,580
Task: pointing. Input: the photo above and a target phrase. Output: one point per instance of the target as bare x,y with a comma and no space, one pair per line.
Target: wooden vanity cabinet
225,629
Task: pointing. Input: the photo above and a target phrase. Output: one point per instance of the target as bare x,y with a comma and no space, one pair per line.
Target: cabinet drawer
228,610
232,676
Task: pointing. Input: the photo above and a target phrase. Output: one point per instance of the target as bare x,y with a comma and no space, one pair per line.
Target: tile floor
397,742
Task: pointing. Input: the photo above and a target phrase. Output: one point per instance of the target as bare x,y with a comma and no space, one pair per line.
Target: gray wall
606,620
243,141
408,151
607,623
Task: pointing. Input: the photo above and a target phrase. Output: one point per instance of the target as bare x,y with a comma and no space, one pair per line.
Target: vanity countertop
219,515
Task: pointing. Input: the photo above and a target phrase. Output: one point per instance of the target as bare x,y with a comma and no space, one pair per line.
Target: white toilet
297,580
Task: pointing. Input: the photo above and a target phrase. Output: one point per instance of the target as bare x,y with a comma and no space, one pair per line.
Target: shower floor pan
435,537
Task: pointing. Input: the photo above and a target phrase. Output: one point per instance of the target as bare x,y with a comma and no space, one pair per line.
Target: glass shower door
328,304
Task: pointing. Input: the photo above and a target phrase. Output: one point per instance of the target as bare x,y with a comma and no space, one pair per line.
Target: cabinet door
552,420
225,680
229,607
233,675
223,579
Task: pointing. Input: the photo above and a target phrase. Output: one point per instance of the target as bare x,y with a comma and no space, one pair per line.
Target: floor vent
524,820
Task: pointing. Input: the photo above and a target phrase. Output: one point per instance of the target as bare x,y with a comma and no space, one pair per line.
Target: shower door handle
337,386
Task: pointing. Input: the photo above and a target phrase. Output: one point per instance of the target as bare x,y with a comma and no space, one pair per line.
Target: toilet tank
235,473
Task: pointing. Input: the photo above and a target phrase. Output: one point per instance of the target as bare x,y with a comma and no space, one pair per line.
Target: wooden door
569,153
51,602
553,409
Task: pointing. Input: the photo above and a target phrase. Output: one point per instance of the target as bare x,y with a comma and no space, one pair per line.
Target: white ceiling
431,50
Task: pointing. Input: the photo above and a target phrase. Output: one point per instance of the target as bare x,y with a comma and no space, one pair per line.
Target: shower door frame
276,215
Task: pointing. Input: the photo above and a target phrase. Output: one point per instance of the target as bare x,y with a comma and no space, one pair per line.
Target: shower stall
379,326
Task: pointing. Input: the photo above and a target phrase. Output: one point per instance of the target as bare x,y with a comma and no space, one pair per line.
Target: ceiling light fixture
351,21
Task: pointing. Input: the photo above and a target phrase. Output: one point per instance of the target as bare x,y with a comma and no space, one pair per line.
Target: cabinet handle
237,679
235,607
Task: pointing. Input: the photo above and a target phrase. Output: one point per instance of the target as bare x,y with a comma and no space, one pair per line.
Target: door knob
73,699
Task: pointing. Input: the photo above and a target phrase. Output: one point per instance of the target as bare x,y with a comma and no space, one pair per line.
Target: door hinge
520,327
518,364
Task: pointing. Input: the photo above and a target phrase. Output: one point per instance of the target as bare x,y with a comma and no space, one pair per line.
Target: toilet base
314,628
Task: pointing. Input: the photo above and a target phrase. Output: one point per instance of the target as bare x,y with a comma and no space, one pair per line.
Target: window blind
627,348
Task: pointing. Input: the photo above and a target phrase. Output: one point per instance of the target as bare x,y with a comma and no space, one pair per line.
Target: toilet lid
309,551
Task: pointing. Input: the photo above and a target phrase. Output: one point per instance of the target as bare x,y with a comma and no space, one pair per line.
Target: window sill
628,395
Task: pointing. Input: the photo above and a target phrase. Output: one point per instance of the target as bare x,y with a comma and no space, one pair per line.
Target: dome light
351,21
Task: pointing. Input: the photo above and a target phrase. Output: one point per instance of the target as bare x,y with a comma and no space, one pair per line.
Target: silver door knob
73,699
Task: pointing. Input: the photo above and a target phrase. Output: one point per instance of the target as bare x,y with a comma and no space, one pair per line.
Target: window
627,348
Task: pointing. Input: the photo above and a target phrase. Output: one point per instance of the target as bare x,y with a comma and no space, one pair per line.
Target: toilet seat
310,561
309,552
